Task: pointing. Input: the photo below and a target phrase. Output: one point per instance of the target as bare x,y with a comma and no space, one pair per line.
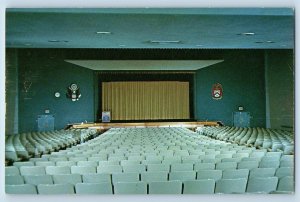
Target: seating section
26,145
263,138
153,161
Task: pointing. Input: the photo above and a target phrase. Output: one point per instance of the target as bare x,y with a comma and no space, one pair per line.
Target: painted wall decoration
217,91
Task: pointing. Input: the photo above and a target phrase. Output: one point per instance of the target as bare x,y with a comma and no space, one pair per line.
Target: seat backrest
262,184
165,187
38,179
32,170
67,178
12,170
204,166
284,171
66,163
248,165
55,170
21,189
45,163
134,168
130,188
262,172
182,175
235,173
269,164
23,163
13,179
182,167
158,167
125,177
87,163
96,178
286,183
56,189
287,163
152,176
226,165
209,174
83,169
109,169
230,186
205,186
93,188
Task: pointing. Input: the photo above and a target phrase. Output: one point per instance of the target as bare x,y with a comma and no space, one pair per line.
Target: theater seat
205,186
93,188
21,189
262,184
56,189
165,187
130,188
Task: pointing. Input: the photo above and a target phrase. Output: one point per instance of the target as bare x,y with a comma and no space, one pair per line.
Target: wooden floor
145,124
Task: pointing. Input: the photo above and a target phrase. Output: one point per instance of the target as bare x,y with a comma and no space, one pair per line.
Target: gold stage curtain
146,100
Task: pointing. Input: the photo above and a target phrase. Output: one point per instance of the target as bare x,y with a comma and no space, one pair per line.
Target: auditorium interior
149,101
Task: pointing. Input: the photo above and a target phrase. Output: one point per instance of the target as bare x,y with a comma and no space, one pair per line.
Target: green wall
11,92
242,77
49,73
280,88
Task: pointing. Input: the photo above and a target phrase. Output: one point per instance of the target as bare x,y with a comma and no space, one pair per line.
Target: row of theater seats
165,155
270,139
25,145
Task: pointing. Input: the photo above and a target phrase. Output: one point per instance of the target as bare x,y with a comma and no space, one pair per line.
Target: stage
101,126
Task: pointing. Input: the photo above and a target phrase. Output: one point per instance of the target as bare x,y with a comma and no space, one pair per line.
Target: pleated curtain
146,100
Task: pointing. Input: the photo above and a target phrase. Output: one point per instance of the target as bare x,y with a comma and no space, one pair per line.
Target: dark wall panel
41,74
242,77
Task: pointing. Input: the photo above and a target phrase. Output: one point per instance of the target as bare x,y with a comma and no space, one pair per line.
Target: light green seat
152,176
67,178
14,179
182,175
209,174
287,163
233,173
226,165
125,177
21,189
12,170
248,164
158,167
182,167
87,163
286,184
96,178
56,189
269,164
262,184
205,186
130,188
109,169
231,186
284,171
130,162
66,163
262,172
83,169
134,168
165,187
93,188
45,163
38,179
204,166
106,163
32,170
23,163
56,170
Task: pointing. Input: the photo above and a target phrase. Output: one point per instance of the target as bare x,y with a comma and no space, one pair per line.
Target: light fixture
199,45
103,32
122,45
164,41
270,41
247,33
27,44
53,41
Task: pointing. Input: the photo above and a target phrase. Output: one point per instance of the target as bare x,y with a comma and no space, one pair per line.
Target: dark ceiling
202,28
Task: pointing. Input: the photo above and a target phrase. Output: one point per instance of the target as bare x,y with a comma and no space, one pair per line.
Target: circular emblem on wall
217,91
